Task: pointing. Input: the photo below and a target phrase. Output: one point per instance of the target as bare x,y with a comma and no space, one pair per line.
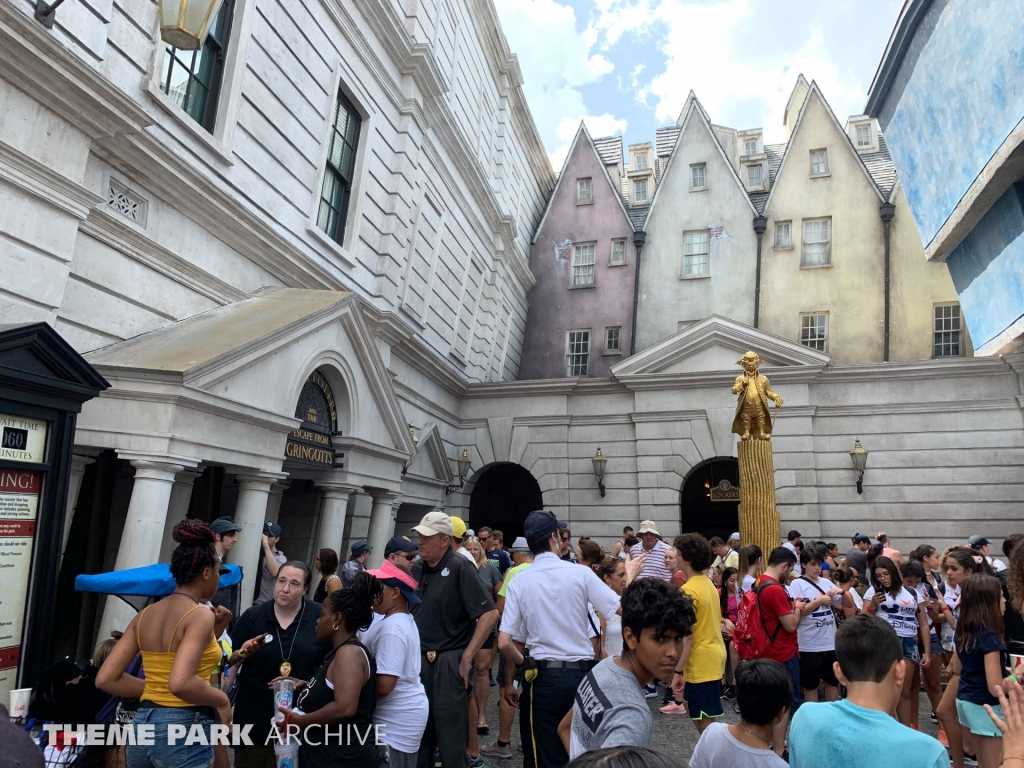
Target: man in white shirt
981,546
653,549
547,604
792,539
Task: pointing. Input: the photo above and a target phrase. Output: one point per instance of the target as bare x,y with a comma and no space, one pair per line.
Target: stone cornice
936,406
938,368
366,448
657,416
532,388
29,175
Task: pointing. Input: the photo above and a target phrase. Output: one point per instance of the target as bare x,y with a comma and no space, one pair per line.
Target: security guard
548,605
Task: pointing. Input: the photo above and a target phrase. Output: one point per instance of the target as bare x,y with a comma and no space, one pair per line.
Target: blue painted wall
958,95
988,269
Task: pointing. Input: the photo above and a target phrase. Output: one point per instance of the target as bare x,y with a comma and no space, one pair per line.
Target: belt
585,664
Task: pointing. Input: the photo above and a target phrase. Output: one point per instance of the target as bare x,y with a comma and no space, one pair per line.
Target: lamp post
859,457
464,463
183,23
599,462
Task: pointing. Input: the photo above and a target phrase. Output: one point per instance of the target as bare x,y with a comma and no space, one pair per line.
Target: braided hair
355,604
195,551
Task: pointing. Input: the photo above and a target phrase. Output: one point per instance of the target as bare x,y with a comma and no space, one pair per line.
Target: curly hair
195,551
695,550
355,604
656,604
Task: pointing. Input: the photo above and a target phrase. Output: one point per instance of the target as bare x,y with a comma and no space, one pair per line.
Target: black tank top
351,754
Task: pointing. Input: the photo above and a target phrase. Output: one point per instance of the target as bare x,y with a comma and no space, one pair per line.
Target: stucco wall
555,306
723,209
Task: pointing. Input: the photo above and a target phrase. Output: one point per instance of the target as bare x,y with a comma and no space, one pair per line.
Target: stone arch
501,495
698,513
339,375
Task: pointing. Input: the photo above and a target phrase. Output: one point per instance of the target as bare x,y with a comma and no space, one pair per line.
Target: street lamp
183,23
599,462
464,463
859,457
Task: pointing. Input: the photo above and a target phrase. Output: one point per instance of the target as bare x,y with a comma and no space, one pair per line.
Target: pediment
429,462
34,357
714,345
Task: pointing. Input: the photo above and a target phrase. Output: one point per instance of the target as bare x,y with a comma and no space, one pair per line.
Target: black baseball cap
860,538
224,525
398,544
977,542
541,523
272,529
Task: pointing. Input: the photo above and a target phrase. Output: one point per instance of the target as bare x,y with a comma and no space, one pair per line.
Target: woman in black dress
327,563
343,693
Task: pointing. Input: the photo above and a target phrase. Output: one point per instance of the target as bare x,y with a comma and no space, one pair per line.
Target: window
863,135
618,252
947,330
192,78
611,339
695,254
783,236
583,264
814,331
341,160
819,162
750,146
698,179
577,353
640,192
817,243
640,161
754,176
584,191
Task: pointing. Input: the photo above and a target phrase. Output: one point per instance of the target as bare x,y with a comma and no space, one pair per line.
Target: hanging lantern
186,23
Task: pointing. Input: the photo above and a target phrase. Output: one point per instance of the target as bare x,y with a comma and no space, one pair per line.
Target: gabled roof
774,153
610,149
792,94
814,90
581,133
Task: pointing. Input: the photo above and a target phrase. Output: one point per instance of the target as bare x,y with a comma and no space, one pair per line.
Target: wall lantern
599,462
464,463
185,23
859,457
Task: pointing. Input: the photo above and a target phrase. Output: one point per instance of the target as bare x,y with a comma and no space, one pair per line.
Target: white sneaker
493,750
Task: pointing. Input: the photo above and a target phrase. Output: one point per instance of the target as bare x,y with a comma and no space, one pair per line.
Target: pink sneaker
673,709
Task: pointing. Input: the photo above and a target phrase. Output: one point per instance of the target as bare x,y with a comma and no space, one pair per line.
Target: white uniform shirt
547,604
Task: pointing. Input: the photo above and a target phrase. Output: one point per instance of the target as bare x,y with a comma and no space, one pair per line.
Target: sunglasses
484,538
410,557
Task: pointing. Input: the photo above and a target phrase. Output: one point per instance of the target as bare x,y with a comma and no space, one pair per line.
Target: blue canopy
146,582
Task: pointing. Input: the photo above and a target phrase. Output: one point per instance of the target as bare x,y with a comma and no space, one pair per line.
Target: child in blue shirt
858,731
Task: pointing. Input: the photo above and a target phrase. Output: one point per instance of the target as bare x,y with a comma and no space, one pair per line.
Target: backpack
751,635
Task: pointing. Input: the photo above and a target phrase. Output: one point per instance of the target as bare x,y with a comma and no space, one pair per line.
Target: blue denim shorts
163,754
910,652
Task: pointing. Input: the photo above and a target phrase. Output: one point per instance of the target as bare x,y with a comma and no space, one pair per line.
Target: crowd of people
819,654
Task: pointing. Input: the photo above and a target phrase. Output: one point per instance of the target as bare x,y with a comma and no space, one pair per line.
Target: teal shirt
839,734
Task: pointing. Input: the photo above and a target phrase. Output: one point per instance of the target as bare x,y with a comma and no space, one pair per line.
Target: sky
626,66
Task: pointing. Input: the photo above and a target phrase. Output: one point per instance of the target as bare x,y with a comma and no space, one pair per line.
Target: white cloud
598,126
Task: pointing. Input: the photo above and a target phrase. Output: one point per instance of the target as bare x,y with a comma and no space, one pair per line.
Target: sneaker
943,739
650,691
494,750
736,708
729,692
933,717
970,761
672,708
475,762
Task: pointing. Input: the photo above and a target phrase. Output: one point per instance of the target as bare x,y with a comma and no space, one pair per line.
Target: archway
710,501
503,495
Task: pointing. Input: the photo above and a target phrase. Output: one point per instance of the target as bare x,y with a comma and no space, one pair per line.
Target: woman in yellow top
179,656
698,677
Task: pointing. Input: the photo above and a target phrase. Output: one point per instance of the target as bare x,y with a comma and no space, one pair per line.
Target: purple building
584,258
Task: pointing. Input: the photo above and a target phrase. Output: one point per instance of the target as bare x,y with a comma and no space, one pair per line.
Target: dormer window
584,191
863,136
861,131
640,191
754,177
640,161
750,146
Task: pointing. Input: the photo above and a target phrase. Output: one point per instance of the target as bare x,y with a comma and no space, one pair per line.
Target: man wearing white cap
454,618
653,549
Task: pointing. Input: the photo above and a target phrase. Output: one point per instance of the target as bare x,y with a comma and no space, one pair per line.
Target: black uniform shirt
453,599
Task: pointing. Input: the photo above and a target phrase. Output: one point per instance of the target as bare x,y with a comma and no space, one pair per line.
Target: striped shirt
654,563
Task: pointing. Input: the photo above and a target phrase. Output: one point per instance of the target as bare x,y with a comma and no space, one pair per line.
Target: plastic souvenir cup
19,703
284,693
286,755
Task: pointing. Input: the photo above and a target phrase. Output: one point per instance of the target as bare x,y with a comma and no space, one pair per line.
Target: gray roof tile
880,166
774,153
638,215
665,140
610,149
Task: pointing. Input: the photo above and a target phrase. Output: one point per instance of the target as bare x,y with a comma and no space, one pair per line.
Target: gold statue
753,420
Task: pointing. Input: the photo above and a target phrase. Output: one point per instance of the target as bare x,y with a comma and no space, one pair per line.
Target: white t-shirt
899,611
817,631
748,583
395,642
613,634
796,566
857,599
952,598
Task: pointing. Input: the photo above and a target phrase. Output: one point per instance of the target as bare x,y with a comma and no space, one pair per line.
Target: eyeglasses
484,538
410,557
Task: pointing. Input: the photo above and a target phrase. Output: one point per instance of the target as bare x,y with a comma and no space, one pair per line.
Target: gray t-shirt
610,711
717,747
858,559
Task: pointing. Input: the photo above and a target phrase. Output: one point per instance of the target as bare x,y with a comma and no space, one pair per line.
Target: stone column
382,524
332,516
250,515
78,464
143,529
274,501
177,509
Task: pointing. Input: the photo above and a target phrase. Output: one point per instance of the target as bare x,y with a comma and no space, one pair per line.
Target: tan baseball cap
647,526
434,523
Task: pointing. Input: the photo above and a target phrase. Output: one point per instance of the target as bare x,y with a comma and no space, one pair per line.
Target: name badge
444,571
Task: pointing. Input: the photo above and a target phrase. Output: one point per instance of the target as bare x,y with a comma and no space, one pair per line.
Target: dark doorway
502,498
699,512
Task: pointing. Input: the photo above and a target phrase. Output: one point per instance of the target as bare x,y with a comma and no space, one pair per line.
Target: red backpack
751,634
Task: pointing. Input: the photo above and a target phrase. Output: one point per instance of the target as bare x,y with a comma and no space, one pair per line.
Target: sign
311,447
311,443
725,491
22,439
19,503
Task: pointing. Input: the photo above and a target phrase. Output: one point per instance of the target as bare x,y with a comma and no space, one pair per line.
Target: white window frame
617,349
640,162
573,359
808,322
760,175
955,323
636,185
788,245
703,169
825,170
827,261
746,146
612,261
692,240
584,263
866,127
587,197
